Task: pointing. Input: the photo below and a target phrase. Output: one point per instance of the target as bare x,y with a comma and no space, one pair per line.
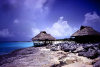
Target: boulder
55,48
17,54
79,49
81,53
95,60
97,45
98,52
77,64
97,64
73,57
69,47
91,53
87,46
59,65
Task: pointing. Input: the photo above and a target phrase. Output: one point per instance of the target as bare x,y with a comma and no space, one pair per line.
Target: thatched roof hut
86,33
86,30
43,39
42,36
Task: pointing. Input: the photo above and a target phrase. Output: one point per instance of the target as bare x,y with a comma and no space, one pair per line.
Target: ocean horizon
7,47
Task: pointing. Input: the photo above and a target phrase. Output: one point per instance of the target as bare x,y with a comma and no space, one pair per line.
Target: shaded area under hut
86,34
43,39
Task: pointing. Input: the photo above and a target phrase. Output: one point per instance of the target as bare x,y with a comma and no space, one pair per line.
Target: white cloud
39,9
5,33
34,4
91,17
40,6
32,8
93,20
35,31
60,29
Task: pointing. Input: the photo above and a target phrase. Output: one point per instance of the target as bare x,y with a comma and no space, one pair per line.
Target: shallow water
6,47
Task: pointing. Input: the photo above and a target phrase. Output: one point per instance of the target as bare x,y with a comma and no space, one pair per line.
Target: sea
7,47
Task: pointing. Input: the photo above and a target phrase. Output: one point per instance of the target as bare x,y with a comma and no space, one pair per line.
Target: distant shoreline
15,41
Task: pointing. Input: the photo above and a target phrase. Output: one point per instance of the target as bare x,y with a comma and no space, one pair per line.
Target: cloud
60,29
35,31
37,5
41,6
26,10
5,33
16,21
92,19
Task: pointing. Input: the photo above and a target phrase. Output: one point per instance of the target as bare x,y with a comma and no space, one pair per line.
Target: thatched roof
43,36
86,30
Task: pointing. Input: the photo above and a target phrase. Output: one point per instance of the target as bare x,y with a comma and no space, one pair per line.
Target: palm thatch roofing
86,31
42,36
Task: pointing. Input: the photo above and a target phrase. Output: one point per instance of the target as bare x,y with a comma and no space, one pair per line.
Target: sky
20,20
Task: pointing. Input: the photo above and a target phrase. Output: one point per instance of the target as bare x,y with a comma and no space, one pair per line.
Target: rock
17,54
95,48
97,64
56,65
87,46
73,57
95,60
27,57
25,51
66,54
97,45
69,47
81,53
59,65
92,46
84,60
55,48
77,64
98,52
79,49
65,47
90,53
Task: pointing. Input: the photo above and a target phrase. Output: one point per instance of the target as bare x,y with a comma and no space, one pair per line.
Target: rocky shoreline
68,54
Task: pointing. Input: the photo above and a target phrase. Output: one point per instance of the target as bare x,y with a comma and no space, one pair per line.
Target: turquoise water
6,47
